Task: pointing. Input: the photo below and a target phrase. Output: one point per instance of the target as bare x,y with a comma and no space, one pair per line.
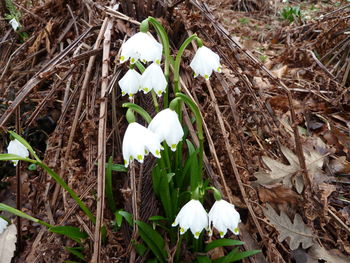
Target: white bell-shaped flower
192,216
223,216
141,46
16,147
153,78
204,62
14,23
167,126
3,225
137,142
130,82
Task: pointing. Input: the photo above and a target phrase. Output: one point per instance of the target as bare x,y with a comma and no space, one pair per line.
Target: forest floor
276,120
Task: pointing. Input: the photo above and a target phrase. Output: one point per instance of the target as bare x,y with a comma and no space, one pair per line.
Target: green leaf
235,255
153,240
119,168
165,196
140,248
222,243
157,218
76,251
12,157
194,167
109,188
203,259
69,231
126,215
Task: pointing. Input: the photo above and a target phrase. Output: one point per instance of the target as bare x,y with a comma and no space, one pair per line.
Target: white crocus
14,23
137,142
167,126
141,46
130,82
153,78
16,147
3,225
223,216
204,62
192,216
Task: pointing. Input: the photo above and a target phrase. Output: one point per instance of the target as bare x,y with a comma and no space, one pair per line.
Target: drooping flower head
141,46
14,23
3,225
204,62
153,78
192,216
137,142
16,147
167,126
130,82
223,216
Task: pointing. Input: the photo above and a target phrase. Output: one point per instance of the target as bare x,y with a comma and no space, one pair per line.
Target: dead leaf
280,172
297,232
279,72
278,195
329,256
8,240
339,166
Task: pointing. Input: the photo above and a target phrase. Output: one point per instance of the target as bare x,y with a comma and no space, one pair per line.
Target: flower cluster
222,216
145,48
139,141
142,46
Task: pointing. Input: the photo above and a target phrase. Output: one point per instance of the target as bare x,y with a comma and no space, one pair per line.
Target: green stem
217,194
59,180
139,110
17,212
62,183
199,125
177,63
166,49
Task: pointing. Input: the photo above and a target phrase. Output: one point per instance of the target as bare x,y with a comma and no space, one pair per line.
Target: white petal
3,225
130,82
167,126
205,61
153,78
14,23
16,147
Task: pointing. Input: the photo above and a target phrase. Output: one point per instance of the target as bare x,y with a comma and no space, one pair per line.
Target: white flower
204,62
3,225
15,147
141,46
153,78
223,216
137,142
14,23
130,82
167,126
192,216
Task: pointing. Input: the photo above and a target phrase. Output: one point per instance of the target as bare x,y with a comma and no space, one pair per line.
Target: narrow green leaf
140,248
165,196
12,157
109,188
126,215
153,239
69,231
222,243
194,167
203,259
119,168
157,218
76,251
235,255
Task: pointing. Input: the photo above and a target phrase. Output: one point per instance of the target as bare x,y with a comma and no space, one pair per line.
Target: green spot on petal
145,89
218,69
206,76
182,230
197,234
125,162
221,234
131,95
158,62
173,146
195,74
122,58
146,152
123,93
144,61
131,157
236,230
139,157
132,60
159,93
157,152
